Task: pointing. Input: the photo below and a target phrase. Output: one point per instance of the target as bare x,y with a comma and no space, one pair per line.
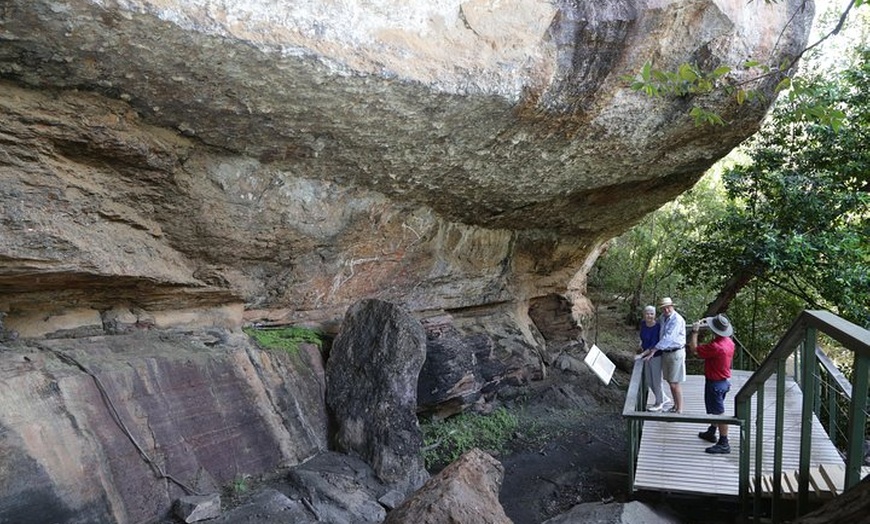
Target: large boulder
464,491
371,378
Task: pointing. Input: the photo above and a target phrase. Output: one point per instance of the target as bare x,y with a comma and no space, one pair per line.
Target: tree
799,212
689,79
638,266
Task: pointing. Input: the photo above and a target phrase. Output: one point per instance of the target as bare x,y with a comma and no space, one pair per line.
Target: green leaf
721,71
783,84
741,96
686,73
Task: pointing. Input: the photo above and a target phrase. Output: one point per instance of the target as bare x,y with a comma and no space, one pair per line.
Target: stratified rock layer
173,156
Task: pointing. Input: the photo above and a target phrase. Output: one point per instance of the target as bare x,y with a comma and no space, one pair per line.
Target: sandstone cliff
189,165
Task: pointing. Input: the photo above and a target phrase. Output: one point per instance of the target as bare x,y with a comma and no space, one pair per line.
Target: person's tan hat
666,301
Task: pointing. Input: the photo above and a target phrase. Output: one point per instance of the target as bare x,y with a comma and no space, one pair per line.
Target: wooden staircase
826,482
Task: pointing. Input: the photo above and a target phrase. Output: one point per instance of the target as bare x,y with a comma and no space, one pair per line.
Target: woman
652,365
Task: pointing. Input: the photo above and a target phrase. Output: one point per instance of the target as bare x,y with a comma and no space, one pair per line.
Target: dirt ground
575,450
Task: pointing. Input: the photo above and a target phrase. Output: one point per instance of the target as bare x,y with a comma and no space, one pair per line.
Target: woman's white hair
649,309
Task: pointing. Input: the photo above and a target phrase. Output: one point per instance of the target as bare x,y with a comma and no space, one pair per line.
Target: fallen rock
614,513
194,508
465,491
371,379
339,489
268,506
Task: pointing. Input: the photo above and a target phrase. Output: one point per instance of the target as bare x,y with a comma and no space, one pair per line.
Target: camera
704,323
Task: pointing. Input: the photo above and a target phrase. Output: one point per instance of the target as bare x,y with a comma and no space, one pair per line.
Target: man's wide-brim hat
720,325
666,302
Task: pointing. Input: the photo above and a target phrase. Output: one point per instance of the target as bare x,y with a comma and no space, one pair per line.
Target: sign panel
598,362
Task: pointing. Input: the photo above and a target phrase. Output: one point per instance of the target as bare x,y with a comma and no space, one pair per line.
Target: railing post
742,411
777,442
857,420
759,449
632,455
809,383
833,410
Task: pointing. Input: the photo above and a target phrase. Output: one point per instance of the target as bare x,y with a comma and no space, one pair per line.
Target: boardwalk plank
671,457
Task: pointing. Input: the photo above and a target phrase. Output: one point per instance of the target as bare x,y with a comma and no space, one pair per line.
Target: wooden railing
801,341
635,414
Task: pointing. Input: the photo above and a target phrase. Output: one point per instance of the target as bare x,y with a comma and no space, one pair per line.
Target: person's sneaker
655,407
722,448
709,436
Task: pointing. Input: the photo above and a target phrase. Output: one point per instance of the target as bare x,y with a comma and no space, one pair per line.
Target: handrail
744,352
631,408
837,328
802,333
834,372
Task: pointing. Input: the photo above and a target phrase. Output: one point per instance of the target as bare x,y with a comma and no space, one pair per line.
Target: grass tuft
446,440
285,339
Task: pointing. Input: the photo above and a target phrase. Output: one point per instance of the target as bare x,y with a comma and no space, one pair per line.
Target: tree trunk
732,286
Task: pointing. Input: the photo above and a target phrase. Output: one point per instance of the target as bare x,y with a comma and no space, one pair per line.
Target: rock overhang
508,115
295,158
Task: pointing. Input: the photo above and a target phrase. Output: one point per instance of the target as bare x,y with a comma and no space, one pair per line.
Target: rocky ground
577,452
569,449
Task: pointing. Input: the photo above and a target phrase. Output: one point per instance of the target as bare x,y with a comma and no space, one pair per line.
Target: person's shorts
674,366
714,395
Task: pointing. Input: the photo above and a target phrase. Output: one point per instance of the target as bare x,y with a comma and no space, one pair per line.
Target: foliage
638,265
781,229
286,339
446,440
690,80
240,485
798,210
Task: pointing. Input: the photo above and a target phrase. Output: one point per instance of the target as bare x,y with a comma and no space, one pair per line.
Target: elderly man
672,344
718,356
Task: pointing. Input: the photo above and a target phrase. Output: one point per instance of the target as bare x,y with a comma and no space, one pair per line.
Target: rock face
156,416
174,157
459,371
371,378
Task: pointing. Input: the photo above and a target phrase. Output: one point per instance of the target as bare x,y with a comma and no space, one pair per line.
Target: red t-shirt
717,356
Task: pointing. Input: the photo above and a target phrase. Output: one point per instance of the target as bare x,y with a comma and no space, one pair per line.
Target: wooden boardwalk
671,457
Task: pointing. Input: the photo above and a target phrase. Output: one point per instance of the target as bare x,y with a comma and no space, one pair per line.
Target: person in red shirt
718,355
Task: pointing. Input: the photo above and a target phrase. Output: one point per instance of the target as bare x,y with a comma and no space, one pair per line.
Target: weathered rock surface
194,508
464,491
340,489
458,369
74,445
267,506
615,513
371,378
172,156
197,165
